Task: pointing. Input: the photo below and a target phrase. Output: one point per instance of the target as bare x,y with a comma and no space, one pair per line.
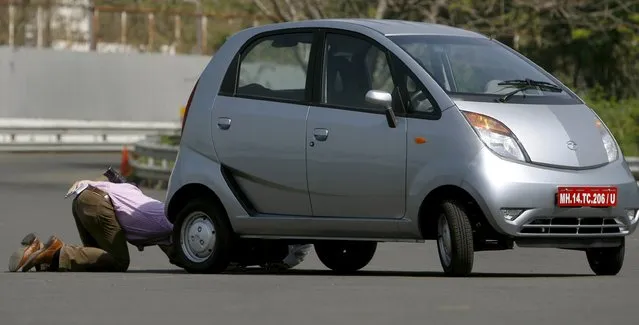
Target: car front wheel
202,238
606,261
345,256
455,240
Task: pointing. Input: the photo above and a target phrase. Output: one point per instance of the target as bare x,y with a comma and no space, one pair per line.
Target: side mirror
384,99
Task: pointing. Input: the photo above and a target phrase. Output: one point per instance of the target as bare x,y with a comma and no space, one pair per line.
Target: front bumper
499,184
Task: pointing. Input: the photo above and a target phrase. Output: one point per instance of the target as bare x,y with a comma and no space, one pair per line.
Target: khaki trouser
104,244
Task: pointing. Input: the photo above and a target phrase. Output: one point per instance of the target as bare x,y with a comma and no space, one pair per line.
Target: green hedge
621,117
172,140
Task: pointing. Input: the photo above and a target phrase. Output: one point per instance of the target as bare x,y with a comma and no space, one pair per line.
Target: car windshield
479,69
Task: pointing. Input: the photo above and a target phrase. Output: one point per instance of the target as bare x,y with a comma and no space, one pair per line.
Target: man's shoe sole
29,263
16,257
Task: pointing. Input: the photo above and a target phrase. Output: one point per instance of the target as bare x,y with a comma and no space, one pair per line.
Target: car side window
275,67
352,67
417,99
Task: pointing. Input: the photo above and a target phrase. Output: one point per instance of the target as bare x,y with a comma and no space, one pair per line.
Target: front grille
573,226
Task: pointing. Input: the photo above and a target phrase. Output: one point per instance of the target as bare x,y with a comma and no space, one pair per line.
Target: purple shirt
141,217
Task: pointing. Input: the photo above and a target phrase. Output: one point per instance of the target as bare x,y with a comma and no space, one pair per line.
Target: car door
356,162
259,128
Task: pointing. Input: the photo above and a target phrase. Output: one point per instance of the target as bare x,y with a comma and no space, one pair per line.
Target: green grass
172,140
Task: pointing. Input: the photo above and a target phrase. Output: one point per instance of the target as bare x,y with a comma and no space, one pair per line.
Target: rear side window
275,67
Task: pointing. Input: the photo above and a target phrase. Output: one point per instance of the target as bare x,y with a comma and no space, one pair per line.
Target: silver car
345,133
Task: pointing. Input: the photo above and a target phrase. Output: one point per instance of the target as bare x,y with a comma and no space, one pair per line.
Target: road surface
402,285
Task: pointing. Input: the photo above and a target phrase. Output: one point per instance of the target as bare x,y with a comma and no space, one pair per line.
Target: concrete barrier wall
96,86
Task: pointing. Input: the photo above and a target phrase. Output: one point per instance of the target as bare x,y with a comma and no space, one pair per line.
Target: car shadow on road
159,271
406,274
366,273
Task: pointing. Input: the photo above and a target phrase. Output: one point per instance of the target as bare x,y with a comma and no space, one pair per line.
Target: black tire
345,256
606,261
457,256
219,257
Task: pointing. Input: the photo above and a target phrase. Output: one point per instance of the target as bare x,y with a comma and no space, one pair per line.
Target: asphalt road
402,285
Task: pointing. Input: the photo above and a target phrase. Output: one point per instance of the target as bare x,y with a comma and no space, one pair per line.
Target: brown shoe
43,257
30,244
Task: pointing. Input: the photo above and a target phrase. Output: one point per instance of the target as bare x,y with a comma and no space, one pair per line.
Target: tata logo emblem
571,145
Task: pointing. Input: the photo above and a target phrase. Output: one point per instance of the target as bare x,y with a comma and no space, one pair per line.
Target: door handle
320,134
224,123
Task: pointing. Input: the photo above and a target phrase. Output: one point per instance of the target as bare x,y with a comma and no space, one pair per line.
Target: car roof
386,27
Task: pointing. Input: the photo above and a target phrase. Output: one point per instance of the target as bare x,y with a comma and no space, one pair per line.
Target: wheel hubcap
444,241
198,237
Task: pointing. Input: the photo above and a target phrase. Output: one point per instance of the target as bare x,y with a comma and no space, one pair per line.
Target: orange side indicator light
420,140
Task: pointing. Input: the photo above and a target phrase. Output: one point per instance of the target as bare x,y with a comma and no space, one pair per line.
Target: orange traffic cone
125,167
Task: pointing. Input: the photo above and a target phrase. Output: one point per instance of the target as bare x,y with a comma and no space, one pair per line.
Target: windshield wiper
527,84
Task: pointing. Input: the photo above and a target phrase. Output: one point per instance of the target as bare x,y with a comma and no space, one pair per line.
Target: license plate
585,196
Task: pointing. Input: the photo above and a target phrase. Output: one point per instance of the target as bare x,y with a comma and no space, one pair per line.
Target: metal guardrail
633,162
154,161
29,135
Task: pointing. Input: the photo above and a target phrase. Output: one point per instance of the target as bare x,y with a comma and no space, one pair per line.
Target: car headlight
496,136
608,141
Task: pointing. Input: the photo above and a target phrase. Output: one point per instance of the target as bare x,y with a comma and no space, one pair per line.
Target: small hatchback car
345,133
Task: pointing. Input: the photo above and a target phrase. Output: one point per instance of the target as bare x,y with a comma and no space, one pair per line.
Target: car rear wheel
455,240
202,238
345,256
606,261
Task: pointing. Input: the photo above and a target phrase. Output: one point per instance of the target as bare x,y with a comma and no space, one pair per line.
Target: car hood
545,130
